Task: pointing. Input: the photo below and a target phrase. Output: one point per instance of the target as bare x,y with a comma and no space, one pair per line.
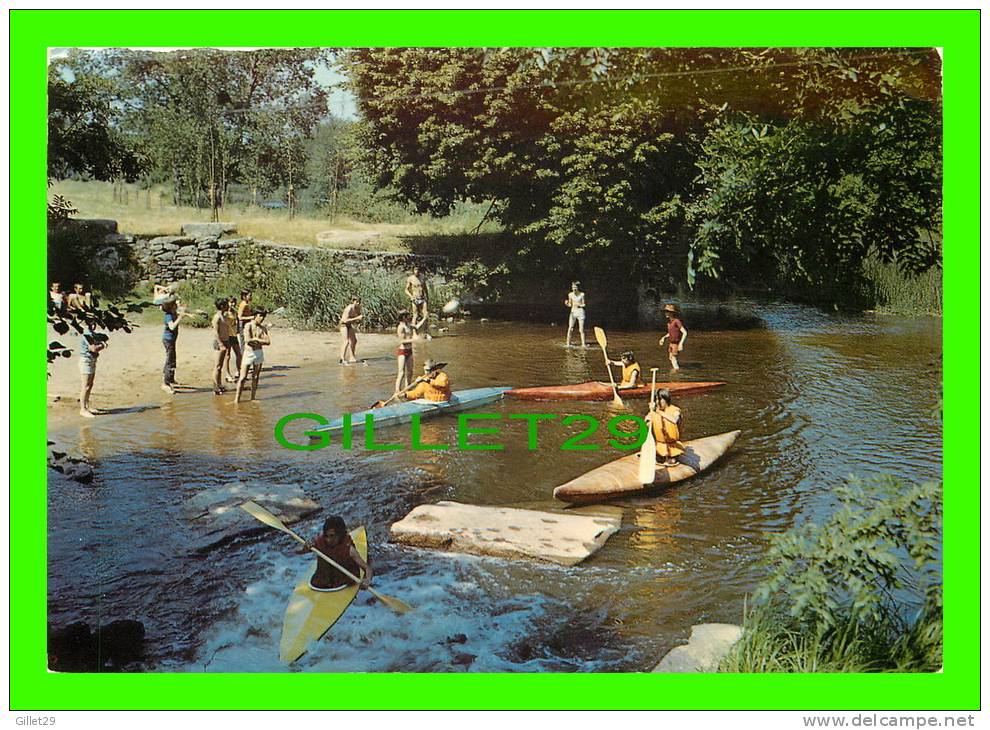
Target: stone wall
203,252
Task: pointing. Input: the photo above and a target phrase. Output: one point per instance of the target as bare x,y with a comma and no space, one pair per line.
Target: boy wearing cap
676,334
433,385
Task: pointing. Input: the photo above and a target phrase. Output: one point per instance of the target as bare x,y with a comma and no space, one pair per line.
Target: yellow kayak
310,614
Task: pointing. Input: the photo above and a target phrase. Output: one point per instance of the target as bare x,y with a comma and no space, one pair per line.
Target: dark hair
405,314
261,313
628,355
664,394
220,303
244,293
335,523
575,282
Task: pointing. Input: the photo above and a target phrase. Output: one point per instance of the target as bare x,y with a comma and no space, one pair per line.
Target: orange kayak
594,390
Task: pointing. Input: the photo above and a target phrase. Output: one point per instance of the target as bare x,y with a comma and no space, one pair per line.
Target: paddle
383,403
648,451
603,343
258,512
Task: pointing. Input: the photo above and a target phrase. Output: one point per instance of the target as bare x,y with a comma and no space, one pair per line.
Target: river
817,397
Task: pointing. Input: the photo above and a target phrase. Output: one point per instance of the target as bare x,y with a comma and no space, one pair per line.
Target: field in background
151,212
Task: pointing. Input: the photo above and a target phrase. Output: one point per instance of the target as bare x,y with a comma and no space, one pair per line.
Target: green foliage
78,252
892,290
74,322
829,602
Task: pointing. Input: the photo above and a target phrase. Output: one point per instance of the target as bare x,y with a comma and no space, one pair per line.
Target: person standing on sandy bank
221,343
90,347
56,296
676,334
348,330
575,300
232,364
244,315
255,338
170,336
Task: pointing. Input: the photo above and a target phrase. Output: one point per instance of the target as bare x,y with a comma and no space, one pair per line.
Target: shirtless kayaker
418,298
665,420
432,385
404,353
575,300
676,334
631,371
335,542
348,331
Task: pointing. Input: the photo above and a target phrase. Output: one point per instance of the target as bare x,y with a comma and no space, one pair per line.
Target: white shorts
253,357
87,367
576,315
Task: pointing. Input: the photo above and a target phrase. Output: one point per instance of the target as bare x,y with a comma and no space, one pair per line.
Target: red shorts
403,351
673,348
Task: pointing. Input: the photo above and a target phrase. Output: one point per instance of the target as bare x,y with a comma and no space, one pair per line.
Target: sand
129,371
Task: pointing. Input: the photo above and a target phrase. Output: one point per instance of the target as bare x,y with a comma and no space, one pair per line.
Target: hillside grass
151,212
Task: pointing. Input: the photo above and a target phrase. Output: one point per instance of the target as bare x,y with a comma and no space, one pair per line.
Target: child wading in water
676,333
255,337
665,420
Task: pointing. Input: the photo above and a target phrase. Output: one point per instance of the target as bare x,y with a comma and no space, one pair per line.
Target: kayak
310,614
620,478
461,400
594,390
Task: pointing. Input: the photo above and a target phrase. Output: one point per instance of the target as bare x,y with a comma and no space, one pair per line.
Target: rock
207,229
117,239
217,517
563,538
104,224
70,467
76,648
708,644
170,243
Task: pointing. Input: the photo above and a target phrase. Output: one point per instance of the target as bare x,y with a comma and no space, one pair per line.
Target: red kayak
593,390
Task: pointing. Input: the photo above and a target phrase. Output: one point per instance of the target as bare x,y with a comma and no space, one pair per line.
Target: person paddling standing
676,334
336,544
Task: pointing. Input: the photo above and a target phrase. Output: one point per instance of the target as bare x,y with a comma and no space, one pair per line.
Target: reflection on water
817,397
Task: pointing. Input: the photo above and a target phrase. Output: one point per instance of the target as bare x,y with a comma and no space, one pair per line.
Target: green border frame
957,32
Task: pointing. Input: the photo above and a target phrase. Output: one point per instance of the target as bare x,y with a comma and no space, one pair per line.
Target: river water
817,397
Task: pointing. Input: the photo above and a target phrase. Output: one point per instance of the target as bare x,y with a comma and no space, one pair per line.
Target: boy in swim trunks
335,542
418,297
348,332
676,333
90,347
221,343
255,337
575,300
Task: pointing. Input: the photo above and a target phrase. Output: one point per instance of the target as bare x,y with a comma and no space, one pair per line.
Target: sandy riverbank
129,372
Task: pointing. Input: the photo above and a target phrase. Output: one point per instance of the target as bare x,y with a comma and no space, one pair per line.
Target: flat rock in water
216,515
505,532
708,644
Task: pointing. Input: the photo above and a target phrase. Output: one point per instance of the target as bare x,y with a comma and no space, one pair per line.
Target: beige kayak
620,478
310,614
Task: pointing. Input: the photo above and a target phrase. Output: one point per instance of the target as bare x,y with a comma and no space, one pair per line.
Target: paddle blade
616,400
648,459
260,513
600,336
394,603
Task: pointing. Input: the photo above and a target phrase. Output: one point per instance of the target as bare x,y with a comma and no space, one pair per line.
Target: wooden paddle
383,403
258,512
648,451
603,343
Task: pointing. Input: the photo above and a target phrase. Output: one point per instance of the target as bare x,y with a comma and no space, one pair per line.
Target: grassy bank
151,212
894,292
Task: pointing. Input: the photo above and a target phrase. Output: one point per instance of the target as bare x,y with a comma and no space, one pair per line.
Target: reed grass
893,291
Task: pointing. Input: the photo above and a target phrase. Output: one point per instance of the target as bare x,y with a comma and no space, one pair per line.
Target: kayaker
631,370
255,338
665,420
404,352
348,321
336,544
575,300
433,385
676,334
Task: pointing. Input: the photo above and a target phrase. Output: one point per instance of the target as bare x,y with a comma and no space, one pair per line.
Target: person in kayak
348,321
404,352
575,300
665,420
676,334
335,542
433,385
631,370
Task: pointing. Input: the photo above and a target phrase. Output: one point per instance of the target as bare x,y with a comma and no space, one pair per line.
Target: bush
831,599
78,252
894,291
